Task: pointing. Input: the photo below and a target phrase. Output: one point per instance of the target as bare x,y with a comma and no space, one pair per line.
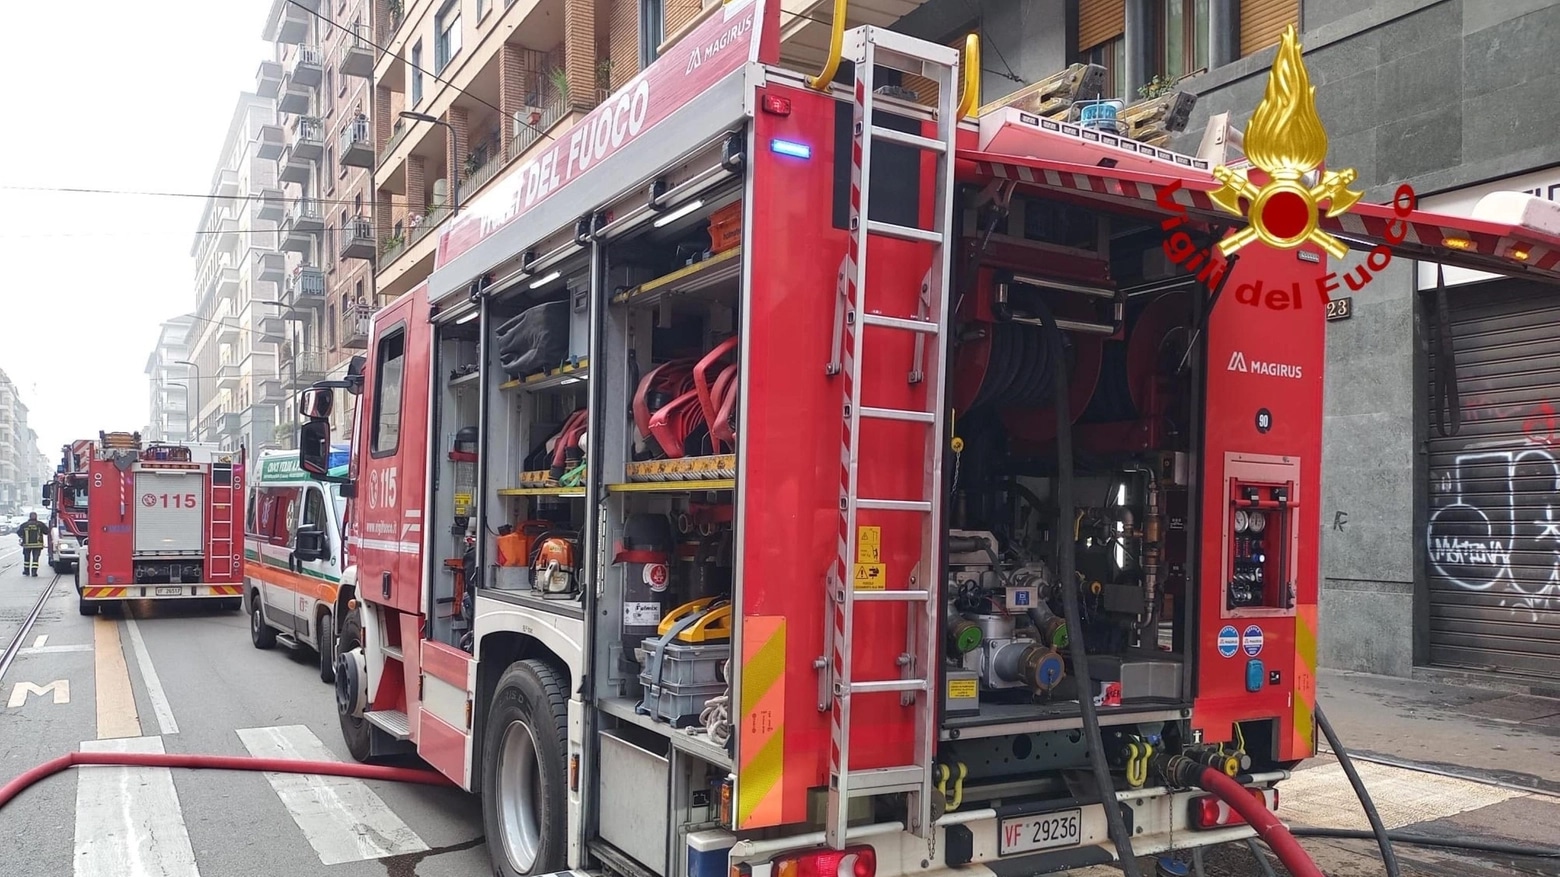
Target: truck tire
325,637
260,633
524,759
355,730
84,607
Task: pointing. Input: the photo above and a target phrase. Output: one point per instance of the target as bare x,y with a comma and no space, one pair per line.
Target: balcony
306,367
357,239
301,226
294,99
355,323
270,390
357,147
227,183
230,423
229,376
268,80
289,22
535,121
306,69
272,204
270,267
304,293
303,150
226,282
357,56
273,329
269,143
398,132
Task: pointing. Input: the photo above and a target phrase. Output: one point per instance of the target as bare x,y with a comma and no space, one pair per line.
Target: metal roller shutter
1493,523
926,91
1262,22
1099,21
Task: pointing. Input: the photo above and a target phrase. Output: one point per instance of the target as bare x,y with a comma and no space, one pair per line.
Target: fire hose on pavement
219,762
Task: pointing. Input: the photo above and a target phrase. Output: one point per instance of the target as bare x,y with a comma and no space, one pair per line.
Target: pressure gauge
1256,521
1242,520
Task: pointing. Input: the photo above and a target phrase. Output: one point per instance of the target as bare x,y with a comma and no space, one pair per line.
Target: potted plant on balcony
395,10
603,79
559,78
391,243
472,165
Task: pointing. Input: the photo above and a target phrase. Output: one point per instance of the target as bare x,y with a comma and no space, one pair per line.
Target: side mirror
317,403
355,368
314,446
309,544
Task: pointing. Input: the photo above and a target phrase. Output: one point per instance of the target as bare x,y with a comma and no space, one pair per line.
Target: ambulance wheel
325,635
260,633
355,730
523,780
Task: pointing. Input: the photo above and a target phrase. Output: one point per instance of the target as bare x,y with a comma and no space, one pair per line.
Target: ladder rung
912,140
892,596
904,232
909,324
899,414
882,780
894,505
879,686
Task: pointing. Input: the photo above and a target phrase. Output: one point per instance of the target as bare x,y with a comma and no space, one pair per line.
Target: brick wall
623,40
579,42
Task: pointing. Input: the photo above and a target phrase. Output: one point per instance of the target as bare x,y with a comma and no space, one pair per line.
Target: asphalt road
185,679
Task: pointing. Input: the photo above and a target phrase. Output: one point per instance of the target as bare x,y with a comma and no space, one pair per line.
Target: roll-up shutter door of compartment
1100,21
1262,23
1493,523
169,512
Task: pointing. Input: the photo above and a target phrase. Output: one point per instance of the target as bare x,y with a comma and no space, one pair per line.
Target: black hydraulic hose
1383,840
1262,862
1067,576
1416,840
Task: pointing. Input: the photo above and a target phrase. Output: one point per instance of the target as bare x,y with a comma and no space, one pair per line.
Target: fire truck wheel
355,730
325,635
523,800
84,607
260,633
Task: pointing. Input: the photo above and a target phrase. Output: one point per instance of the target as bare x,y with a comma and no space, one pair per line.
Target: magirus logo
1239,363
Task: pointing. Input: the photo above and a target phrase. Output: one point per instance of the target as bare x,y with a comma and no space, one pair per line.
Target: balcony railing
357,147
355,323
398,133
357,54
306,68
536,122
301,225
480,175
357,239
308,366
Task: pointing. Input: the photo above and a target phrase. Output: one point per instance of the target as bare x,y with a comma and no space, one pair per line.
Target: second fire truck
779,476
164,522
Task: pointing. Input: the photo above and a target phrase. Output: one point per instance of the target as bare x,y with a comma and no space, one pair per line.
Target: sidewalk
1438,759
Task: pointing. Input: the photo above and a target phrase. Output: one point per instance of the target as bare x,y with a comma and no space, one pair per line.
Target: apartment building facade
167,378
233,382
320,75
22,465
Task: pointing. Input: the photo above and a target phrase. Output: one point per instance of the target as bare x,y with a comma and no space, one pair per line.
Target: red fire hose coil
1273,832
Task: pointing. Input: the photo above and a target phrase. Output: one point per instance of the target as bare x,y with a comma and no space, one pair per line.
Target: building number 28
381,488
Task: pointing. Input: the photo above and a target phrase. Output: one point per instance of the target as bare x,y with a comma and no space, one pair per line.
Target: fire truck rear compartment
1009,700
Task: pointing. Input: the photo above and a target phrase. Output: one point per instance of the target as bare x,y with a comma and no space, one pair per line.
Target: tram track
14,647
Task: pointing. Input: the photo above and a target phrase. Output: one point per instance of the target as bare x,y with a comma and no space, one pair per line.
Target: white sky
110,95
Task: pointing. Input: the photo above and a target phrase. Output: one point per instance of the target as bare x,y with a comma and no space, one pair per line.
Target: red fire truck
163,523
66,496
777,476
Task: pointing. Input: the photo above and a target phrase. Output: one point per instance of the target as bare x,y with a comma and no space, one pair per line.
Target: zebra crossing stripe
128,819
341,817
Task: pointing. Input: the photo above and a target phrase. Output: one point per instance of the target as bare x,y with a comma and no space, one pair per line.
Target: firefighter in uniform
34,534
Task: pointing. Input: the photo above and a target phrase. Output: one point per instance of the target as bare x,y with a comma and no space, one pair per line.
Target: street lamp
454,185
195,431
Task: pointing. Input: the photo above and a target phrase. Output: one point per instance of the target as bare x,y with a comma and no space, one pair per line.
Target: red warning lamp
776,105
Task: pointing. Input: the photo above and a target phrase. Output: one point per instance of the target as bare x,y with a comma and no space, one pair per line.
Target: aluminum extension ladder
220,544
869,48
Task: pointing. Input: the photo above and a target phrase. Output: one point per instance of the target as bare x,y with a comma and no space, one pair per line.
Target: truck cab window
387,393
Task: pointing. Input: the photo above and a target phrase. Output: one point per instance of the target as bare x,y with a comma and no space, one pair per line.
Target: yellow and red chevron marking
97,593
1303,739
226,590
761,724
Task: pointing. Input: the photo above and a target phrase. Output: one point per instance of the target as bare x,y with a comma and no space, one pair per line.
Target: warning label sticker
958,688
641,613
869,577
869,544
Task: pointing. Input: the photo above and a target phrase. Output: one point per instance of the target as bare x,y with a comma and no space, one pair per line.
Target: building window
482,8
330,168
416,65
651,30
1262,22
329,94
447,40
1112,55
1183,43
